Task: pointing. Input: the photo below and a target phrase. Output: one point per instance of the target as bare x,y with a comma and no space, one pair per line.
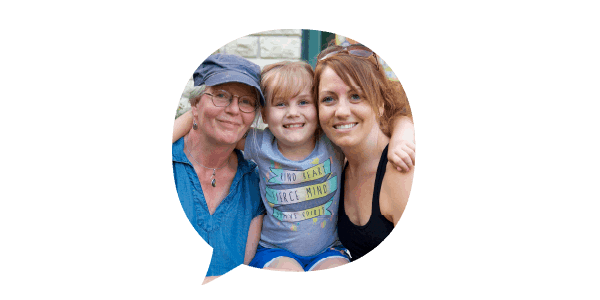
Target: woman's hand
402,149
401,154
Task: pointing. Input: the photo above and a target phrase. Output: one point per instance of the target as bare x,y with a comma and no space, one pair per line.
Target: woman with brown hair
357,103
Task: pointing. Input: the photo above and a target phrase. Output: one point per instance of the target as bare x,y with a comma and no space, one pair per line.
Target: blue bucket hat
223,68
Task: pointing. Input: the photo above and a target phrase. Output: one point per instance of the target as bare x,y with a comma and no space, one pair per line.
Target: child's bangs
290,84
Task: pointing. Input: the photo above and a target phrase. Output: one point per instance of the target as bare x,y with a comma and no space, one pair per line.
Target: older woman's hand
401,151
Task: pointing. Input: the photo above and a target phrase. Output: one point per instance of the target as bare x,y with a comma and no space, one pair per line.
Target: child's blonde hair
285,80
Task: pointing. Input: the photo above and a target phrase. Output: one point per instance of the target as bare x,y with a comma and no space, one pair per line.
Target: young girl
299,171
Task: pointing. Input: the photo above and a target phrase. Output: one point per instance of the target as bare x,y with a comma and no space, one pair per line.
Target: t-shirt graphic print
301,197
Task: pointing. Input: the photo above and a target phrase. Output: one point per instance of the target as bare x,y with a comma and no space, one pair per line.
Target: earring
195,126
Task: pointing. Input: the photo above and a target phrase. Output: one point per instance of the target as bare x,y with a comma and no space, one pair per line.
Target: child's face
293,121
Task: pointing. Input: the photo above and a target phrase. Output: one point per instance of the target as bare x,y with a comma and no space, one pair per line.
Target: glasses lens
221,98
328,52
247,104
356,50
362,53
359,50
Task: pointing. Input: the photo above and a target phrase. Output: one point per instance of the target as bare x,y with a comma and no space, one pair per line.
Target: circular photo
293,150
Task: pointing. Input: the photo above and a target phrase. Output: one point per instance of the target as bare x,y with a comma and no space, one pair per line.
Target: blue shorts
264,256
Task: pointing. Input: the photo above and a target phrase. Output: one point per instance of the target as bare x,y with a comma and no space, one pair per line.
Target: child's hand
401,154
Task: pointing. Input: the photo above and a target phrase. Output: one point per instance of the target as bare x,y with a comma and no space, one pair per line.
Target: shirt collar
244,166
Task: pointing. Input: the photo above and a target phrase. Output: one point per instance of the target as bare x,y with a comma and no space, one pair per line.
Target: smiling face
293,121
224,125
345,115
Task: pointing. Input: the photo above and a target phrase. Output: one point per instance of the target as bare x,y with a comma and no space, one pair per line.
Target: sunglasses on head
354,50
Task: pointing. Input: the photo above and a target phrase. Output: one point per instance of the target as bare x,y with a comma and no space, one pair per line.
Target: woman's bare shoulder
395,190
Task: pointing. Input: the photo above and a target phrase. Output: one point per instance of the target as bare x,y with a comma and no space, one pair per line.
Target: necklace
213,182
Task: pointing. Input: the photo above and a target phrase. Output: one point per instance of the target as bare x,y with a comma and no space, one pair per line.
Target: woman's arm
251,244
253,238
208,279
395,190
401,152
182,126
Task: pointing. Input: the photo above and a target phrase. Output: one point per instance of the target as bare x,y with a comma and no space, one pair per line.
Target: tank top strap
343,179
378,180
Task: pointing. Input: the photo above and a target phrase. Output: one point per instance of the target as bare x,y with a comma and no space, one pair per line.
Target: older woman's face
224,125
345,115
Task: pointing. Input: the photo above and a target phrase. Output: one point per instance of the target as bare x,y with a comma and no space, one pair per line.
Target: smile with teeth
293,125
345,126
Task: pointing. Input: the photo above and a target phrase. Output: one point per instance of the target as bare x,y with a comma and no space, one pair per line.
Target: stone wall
261,48
268,47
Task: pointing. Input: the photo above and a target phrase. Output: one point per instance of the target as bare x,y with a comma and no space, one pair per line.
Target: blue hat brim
233,76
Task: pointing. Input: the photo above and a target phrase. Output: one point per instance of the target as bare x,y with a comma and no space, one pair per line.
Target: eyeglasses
223,98
354,50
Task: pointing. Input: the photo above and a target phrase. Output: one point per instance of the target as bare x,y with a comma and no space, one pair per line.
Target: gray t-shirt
301,197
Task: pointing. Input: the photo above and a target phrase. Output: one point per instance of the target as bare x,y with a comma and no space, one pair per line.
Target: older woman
356,104
217,188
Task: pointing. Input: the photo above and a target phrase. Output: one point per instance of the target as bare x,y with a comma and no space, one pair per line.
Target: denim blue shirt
226,231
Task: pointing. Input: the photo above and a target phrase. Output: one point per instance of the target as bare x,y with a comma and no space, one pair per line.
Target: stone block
246,46
297,32
280,47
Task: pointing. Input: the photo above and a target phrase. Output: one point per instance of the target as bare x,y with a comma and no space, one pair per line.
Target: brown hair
377,89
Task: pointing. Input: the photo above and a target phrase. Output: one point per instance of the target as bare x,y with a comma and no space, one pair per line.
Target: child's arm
401,152
182,126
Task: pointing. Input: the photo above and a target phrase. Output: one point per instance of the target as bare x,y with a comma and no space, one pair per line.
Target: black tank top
360,240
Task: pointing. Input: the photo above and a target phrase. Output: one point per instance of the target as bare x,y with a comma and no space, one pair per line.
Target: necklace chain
213,182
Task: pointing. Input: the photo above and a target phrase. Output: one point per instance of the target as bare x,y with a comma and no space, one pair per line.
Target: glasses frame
212,98
348,49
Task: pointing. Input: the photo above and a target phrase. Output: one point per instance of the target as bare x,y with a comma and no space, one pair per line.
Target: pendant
214,182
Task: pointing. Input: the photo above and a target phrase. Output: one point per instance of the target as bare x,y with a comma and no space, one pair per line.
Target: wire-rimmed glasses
223,98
